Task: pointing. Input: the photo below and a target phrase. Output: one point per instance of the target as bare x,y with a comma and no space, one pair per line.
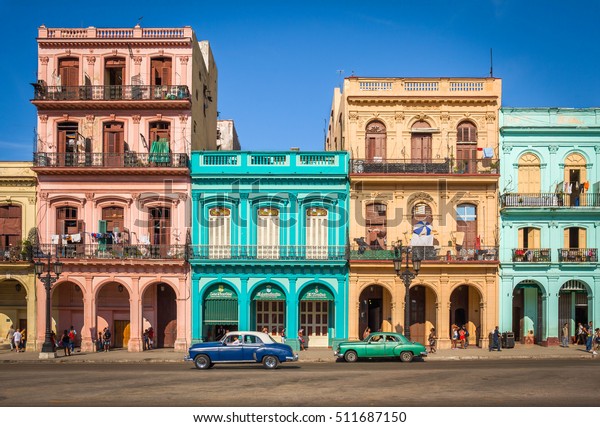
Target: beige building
227,137
424,173
17,232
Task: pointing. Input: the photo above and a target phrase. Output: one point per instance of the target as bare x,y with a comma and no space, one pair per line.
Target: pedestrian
283,335
17,340
72,336
462,337
454,337
496,340
66,342
11,337
106,339
565,335
432,340
53,340
150,338
466,343
579,337
590,337
301,339
366,333
265,330
100,342
145,339
596,342
23,340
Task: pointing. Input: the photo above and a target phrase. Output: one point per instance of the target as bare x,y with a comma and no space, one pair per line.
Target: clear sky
279,61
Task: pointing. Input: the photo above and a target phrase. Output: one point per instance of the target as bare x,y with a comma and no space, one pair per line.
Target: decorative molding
445,117
43,118
44,60
89,196
490,117
136,119
553,148
597,149
353,116
399,116
506,149
183,118
137,60
68,52
184,60
89,117
44,195
159,116
113,117
91,60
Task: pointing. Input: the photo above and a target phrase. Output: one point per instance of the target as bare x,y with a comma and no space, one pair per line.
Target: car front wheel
406,356
350,356
202,361
270,362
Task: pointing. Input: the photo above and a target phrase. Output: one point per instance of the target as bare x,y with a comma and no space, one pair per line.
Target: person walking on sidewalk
17,340
565,335
66,342
11,337
590,337
106,339
432,339
579,338
496,340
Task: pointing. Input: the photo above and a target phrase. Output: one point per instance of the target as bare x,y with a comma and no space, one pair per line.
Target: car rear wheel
270,362
350,356
406,356
202,361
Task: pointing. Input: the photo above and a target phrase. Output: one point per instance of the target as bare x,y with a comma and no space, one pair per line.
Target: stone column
184,73
181,343
89,331
32,315
136,322
291,330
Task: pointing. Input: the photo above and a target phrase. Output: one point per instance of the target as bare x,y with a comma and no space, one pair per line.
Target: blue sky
279,61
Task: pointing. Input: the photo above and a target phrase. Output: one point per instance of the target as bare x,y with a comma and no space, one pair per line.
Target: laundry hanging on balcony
422,234
159,152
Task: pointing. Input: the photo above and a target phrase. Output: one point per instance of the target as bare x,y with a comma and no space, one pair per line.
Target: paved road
470,383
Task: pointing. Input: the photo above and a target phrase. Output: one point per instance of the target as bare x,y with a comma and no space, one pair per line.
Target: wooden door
114,144
466,158
114,72
121,333
161,71
68,73
375,141
160,231
420,148
466,222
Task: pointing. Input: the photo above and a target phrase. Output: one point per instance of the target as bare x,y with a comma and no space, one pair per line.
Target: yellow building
17,231
424,173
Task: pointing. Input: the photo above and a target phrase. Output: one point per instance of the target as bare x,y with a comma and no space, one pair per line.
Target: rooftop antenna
340,72
139,21
491,64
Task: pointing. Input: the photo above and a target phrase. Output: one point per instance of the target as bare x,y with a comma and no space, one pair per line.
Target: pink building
119,111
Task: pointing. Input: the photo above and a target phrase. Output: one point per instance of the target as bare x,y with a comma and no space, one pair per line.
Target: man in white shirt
17,340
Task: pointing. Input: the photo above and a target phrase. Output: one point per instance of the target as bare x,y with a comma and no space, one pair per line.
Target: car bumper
337,354
423,354
293,358
187,358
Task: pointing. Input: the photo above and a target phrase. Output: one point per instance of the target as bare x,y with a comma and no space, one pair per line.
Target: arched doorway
219,311
527,315
422,312
465,310
67,309
113,311
13,307
316,314
573,305
375,310
268,309
159,312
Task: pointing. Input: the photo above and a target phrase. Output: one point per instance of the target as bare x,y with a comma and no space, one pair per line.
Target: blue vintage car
241,347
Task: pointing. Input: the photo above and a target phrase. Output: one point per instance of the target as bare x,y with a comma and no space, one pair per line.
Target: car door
376,345
391,342
250,345
232,349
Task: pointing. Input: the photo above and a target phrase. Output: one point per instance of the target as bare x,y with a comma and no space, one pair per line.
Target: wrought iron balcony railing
16,253
90,251
531,255
426,166
259,252
110,93
578,255
534,200
428,253
100,160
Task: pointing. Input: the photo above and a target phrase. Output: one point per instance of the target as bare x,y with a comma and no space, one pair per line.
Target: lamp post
48,279
407,277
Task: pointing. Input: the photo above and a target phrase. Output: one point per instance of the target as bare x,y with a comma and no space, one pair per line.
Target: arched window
376,217
219,232
420,142
466,147
316,233
529,174
466,226
375,141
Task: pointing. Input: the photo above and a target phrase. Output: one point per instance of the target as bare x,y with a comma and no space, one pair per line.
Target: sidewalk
323,355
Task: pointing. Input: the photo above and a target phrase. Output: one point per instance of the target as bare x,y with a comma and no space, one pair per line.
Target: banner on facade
317,294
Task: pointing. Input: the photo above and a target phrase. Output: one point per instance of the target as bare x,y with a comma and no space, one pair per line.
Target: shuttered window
268,233
316,233
219,233
10,225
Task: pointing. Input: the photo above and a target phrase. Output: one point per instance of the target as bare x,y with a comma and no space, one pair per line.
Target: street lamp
48,279
407,277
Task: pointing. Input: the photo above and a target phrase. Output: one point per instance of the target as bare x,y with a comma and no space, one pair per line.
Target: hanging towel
145,239
488,153
54,239
76,238
459,237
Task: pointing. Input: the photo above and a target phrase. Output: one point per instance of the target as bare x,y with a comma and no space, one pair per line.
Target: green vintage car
381,344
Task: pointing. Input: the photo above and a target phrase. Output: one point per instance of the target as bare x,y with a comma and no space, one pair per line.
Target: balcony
560,200
431,166
267,253
445,254
100,251
108,96
531,255
81,163
578,255
15,254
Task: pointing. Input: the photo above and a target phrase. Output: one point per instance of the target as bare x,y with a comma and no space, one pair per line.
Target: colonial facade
119,111
424,173
269,244
17,234
550,219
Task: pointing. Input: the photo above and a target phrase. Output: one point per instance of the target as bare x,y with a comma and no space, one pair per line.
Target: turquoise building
550,221
269,238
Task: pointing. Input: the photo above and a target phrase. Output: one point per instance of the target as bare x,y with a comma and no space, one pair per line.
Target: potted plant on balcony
26,250
494,167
